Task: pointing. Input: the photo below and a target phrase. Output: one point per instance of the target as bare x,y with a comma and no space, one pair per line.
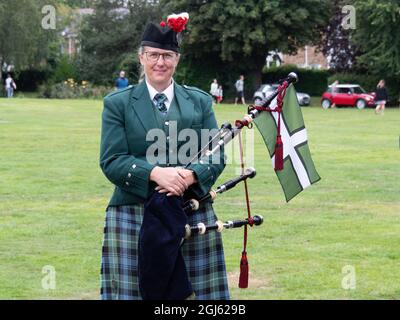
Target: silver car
266,89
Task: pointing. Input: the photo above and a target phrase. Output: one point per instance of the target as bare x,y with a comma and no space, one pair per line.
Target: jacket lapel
186,107
142,106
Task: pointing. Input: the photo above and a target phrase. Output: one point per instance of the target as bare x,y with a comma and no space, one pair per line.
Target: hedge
201,75
31,79
311,81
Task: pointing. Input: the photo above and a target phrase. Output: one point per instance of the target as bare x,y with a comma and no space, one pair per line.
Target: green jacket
127,117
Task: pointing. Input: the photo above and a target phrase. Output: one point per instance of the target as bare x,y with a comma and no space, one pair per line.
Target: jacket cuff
137,178
205,178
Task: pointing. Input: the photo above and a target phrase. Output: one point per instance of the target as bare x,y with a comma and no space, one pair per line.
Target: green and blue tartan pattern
203,254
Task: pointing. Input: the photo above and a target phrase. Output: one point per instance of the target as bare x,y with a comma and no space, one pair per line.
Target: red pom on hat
163,24
177,22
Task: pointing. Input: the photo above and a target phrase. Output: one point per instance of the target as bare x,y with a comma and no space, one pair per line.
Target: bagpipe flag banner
298,167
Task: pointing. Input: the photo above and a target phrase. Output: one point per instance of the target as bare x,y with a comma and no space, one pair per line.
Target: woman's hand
169,181
188,176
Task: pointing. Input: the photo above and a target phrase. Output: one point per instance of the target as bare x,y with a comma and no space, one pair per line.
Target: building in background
70,40
307,57
70,44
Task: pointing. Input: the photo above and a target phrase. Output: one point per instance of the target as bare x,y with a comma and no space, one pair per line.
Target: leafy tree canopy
110,38
244,31
377,35
336,40
23,41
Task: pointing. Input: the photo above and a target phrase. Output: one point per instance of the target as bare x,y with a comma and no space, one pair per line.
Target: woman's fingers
170,191
181,184
174,193
188,176
171,180
182,174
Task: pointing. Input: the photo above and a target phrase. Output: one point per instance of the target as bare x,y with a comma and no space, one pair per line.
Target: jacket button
167,123
129,175
134,166
127,184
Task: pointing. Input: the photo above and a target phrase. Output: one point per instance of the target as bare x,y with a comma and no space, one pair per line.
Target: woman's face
159,66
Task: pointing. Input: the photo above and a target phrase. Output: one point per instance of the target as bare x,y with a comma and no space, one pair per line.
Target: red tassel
244,272
278,154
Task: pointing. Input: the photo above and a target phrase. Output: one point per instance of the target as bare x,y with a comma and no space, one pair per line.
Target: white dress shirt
169,93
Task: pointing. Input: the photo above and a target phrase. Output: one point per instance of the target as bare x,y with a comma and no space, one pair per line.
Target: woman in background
381,97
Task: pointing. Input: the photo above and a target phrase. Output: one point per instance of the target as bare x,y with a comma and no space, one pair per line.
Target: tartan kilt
203,255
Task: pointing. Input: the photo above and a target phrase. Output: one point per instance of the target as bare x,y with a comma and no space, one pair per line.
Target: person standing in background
334,91
214,90
381,97
10,86
220,94
121,82
239,85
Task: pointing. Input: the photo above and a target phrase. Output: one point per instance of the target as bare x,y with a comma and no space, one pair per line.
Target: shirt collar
169,92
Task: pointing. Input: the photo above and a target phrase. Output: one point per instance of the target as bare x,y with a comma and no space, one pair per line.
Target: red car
347,95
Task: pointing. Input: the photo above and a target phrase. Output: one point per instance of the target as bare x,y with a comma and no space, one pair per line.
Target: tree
336,41
78,3
378,36
111,36
241,33
23,41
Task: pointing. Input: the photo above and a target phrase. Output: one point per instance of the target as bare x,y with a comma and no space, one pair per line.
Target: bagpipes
201,228
219,226
193,204
224,136
228,133
164,226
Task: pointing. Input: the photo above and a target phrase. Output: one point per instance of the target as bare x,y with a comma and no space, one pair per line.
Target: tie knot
160,98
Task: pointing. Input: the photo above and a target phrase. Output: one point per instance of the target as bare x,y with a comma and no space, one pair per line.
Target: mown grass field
53,196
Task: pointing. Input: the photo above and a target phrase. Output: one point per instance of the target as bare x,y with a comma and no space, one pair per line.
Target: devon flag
298,168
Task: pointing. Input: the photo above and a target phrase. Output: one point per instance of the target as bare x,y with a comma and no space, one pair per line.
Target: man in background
239,85
121,82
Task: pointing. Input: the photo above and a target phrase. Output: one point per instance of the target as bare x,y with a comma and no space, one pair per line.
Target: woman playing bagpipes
143,254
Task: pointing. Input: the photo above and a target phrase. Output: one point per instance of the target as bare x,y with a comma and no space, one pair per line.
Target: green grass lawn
53,196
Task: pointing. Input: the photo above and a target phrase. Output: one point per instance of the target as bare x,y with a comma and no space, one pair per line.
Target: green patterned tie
160,99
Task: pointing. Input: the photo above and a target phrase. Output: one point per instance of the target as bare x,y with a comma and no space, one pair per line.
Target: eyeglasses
153,56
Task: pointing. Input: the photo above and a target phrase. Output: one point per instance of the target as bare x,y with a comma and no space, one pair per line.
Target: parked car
347,95
266,89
